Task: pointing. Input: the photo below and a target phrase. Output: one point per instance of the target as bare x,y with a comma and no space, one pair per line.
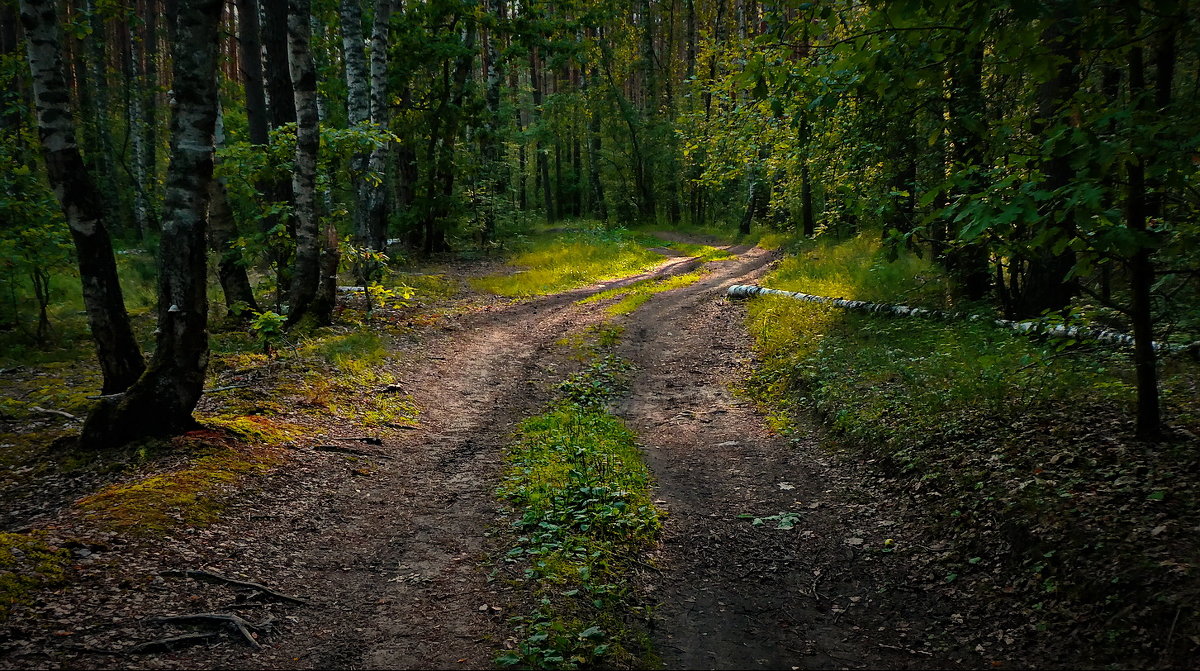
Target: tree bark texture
161,401
375,200
120,356
307,275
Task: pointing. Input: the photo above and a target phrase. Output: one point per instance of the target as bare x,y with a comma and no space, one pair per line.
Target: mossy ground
1020,449
27,562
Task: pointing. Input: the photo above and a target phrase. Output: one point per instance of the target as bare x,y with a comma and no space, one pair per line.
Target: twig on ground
908,650
218,579
235,622
232,386
369,440
172,643
60,413
344,450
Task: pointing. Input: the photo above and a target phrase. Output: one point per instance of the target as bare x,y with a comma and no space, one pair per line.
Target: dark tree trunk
967,261
307,275
543,163
223,236
358,110
375,201
161,401
250,45
1141,269
1046,286
120,357
280,230
595,147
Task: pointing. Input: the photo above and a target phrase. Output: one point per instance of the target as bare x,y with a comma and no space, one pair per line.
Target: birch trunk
307,275
375,200
120,357
358,108
161,401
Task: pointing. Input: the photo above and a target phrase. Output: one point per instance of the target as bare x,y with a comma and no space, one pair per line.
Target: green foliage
267,327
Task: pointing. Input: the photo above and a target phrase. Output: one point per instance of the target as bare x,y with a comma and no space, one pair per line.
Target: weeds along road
390,555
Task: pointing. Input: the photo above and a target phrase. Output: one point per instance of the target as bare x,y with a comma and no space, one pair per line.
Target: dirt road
387,548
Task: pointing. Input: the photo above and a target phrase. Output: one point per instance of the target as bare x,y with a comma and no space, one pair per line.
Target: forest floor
389,542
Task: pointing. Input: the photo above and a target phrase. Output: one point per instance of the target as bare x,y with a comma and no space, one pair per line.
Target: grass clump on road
553,265
582,496
1021,448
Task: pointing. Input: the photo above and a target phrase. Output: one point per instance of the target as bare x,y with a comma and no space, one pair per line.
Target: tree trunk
1046,286
968,260
231,266
489,134
279,230
306,277
1141,270
358,110
120,357
161,401
543,164
250,45
375,201
595,147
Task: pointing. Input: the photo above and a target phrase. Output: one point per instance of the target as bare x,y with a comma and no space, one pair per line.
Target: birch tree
162,399
120,356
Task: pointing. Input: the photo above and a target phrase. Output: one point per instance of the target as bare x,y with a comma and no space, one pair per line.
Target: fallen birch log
1078,332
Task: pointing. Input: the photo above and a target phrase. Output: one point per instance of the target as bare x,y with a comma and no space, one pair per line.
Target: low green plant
267,327
582,494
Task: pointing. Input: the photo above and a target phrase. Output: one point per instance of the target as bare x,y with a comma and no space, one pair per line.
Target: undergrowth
1019,449
581,495
27,562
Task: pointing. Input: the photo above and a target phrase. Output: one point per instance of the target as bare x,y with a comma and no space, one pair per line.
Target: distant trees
1044,154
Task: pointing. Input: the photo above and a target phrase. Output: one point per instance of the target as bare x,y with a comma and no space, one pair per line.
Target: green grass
1018,449
635,294
558,264
582,497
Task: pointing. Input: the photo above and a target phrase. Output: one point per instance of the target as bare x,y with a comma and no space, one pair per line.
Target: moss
256,428
26,563
191,496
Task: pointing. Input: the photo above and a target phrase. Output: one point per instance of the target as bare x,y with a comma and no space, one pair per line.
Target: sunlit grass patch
637,293
704,253
354,352
559,265
858,269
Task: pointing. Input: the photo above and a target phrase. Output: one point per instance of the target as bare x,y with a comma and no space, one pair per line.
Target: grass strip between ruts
582,513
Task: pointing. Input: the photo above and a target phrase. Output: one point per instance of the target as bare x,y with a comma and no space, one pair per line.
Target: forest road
387,548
